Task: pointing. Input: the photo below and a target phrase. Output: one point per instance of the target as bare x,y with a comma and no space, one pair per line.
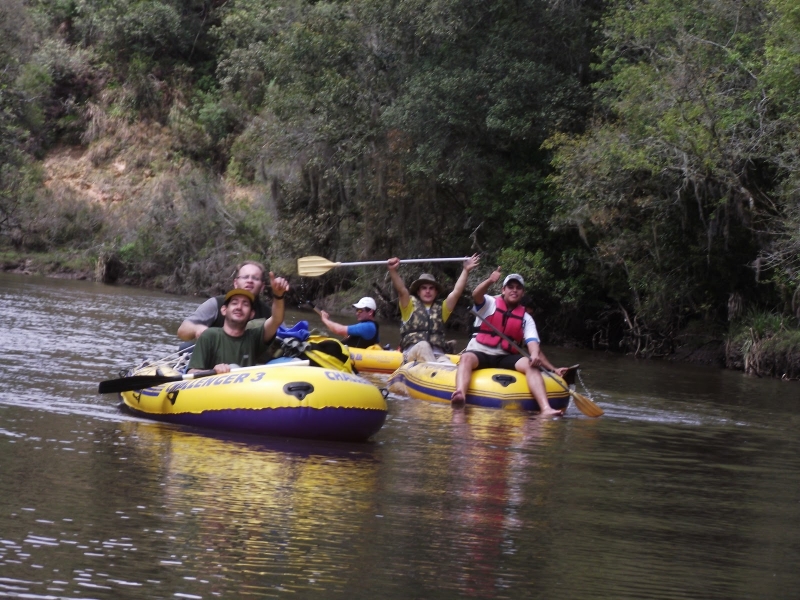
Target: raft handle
298,389
504,380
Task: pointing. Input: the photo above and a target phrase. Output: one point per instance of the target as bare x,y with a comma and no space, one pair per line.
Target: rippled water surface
688,487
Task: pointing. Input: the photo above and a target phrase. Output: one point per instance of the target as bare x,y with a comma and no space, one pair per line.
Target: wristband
278,297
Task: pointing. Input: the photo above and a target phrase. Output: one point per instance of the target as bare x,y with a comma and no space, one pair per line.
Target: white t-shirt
487,309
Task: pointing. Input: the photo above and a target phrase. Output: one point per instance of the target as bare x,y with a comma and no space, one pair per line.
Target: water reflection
686,488
473,484
494,460
273,509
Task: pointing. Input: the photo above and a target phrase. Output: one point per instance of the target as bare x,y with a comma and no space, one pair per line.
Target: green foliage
187,239
761,324
142,94
18,177
764,344
19,181
376,121
782,54
190,136
126,28
71,222
534,268
33,82
44,221
667,190
643,192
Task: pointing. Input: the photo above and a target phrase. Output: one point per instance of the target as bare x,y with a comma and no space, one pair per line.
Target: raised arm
452,298
334,327
279,287
479,293
399,285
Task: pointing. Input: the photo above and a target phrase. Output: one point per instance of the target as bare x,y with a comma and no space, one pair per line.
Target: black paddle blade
141,382
136,382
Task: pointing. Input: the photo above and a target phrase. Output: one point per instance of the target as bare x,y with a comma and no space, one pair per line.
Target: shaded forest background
636,161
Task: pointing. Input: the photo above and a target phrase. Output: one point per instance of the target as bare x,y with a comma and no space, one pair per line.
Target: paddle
314,266
586,406
141,382
312,305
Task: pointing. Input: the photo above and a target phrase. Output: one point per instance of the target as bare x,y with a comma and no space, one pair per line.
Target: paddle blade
137,382
314,266
586,406
141,382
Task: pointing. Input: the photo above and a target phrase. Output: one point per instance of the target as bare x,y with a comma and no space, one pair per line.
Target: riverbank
59,264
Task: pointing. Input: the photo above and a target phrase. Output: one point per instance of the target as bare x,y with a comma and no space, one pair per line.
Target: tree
672,183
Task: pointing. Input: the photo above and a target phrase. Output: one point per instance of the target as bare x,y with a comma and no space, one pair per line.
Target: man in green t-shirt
234,344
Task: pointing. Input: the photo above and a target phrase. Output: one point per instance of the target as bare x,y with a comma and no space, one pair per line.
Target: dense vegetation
635,160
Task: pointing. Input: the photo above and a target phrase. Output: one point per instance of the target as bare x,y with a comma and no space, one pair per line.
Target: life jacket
356,341
509,321
262,311
423,325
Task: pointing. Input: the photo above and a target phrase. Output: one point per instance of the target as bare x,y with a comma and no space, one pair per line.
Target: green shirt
215,347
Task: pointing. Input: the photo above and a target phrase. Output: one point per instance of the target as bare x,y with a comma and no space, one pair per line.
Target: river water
688,487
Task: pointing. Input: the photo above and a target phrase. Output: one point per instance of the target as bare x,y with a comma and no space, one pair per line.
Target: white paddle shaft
410,260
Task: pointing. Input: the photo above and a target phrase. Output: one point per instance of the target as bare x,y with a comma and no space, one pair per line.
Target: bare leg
466,365
536,385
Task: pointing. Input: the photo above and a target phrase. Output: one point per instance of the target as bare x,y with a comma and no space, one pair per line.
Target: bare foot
551,412
457,397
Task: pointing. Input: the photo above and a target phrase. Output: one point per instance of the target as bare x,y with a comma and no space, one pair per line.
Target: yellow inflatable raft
492,388
280,400
377,360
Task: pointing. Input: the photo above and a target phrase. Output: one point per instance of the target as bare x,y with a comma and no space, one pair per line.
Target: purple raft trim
557,402
341,424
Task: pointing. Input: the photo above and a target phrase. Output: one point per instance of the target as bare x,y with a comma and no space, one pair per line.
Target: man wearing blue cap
488,350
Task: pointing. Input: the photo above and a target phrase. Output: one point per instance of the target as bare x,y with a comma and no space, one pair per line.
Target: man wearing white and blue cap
488,350
359,335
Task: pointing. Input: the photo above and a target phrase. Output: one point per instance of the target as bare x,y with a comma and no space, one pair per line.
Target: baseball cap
366,302
512,277
239,292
